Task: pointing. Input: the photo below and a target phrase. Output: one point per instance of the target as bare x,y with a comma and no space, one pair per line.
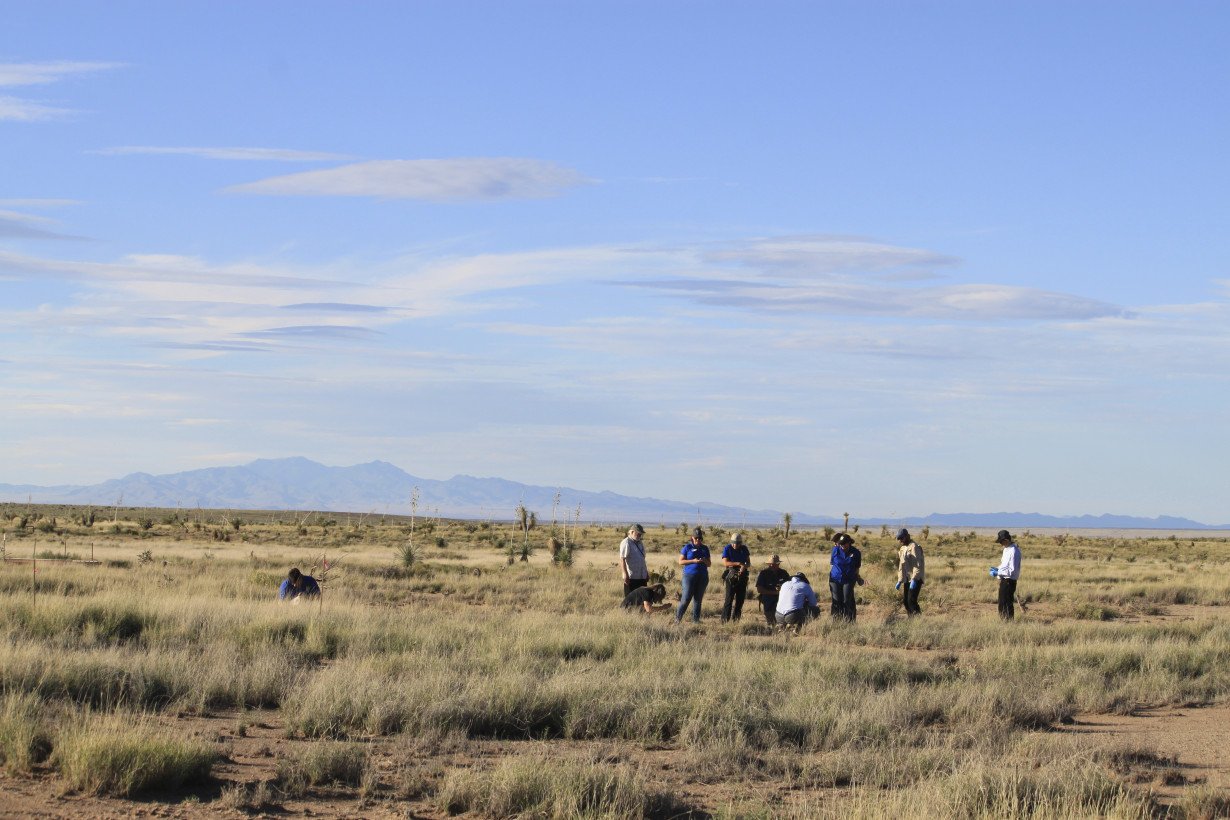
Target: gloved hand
898,586
913,584
994,572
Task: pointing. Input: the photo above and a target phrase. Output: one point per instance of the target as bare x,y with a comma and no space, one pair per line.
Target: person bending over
646,599
796,603
297,585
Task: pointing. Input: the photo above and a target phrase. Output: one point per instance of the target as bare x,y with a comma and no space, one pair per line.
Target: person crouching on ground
297,585
768,585
845,563
646,599
738,563
796,603
910,572
632,559
1008,572
695,560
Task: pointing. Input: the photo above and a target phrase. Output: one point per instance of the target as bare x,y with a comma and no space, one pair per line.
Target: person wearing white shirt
1008,572
796,602
632,559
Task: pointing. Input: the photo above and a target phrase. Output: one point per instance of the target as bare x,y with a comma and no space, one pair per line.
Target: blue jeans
694,591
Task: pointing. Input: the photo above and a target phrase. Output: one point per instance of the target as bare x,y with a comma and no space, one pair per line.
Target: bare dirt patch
1196,740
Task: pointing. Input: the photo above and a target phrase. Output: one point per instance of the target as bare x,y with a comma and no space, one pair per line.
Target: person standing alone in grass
910,571
297,585
632,559
738,563
845,564
768,586
695,560
1008,572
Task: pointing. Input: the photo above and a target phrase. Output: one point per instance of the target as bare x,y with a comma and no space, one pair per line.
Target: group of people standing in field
789,599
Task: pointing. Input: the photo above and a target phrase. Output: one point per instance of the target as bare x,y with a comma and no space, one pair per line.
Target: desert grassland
451,681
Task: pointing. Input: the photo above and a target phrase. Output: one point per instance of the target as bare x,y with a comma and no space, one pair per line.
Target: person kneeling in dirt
646,599
796,602
297,585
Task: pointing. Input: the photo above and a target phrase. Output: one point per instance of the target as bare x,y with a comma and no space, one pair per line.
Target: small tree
787,520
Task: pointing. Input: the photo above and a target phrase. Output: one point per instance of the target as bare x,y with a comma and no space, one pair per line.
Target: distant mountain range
302,484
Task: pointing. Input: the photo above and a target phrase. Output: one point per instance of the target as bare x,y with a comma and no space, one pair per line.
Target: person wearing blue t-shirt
695,560
738,563
845,563
298,585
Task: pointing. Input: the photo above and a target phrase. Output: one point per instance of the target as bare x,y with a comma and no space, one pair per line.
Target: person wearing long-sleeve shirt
910,572
796,602
845,563
1008,572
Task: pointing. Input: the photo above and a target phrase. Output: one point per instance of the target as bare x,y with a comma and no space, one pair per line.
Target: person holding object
632,559
646,599
297,585
796,603
844,563
910,572
738,563
768,585
695,560
1008,572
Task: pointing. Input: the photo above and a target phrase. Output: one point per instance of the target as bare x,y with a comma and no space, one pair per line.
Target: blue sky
883,257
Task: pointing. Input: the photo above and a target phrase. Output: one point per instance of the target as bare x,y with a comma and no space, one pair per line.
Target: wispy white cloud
808,255
226,153
16,225
20,109
15,109
13,74
441,180
38,203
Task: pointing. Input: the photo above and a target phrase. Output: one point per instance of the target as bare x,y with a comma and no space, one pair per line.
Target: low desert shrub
118,756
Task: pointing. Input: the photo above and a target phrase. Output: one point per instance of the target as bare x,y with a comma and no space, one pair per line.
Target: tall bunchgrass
115,755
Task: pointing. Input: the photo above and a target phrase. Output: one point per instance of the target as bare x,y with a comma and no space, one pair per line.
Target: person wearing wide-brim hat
1008,572
768,587
909,572
845,564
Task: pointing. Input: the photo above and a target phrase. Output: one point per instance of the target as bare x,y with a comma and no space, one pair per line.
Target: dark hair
294,574
658,593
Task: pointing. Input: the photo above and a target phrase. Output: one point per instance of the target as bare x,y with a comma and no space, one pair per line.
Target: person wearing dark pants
738,563
797,603
695,560
845,564
910,572
632,559
768,586
1008,572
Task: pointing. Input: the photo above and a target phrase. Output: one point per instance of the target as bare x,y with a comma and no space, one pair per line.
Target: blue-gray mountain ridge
301,484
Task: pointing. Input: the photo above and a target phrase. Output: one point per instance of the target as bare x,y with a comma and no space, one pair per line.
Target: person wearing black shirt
646,599
768,584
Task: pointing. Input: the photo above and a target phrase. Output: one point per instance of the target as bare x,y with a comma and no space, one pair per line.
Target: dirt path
1198,740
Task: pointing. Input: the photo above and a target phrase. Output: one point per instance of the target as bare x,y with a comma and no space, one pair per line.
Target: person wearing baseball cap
1008,572
796,603
768,586
695,560
909,571
738,563
632,559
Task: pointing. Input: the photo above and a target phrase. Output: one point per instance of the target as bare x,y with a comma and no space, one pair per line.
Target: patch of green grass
120,757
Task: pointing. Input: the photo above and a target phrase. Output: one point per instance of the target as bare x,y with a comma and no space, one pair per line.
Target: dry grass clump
545,787
25,736
116,755
326,762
